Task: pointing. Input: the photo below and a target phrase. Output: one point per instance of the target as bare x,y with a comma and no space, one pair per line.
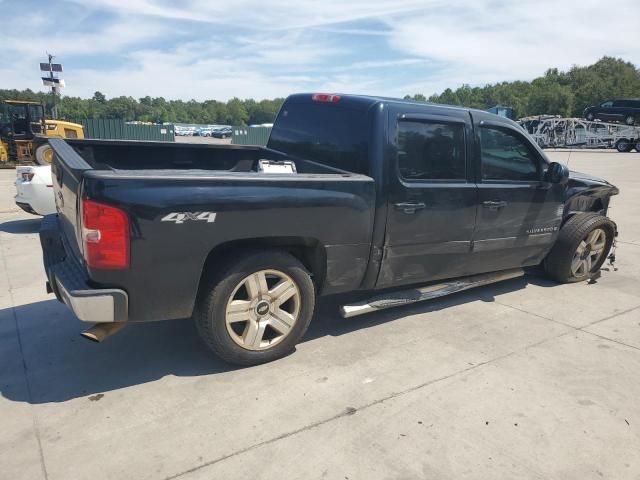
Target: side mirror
557,173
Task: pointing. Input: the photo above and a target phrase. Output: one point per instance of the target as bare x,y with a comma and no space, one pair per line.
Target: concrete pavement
524,379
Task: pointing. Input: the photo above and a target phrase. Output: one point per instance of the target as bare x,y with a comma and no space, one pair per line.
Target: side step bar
420,294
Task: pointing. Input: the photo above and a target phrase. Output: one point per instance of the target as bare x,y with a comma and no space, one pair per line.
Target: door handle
494,205
409,207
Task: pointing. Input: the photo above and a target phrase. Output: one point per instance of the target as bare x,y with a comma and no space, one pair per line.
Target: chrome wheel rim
589,252
262,310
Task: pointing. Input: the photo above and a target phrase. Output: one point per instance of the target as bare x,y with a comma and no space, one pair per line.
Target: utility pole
52,80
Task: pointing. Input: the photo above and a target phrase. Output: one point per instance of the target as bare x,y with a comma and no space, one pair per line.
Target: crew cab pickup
350,193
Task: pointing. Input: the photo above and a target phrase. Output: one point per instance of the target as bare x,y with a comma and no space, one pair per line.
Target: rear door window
431,150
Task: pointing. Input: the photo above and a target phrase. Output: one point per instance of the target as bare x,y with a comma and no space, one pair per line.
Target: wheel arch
309,251
39,141
595,210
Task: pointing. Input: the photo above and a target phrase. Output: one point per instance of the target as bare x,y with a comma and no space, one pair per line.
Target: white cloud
272,15
519,40
246,48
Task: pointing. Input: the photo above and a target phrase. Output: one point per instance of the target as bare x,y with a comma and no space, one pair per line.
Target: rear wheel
581,248
623,145
258,309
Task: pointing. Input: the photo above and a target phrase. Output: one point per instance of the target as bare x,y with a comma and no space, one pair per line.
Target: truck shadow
327,320
29,225
60,365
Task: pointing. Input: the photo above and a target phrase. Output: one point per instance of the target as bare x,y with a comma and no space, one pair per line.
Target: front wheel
590,116
258,309
630,120
581,248
44,154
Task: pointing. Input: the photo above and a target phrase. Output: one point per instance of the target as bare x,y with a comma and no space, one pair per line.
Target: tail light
105,236
325,97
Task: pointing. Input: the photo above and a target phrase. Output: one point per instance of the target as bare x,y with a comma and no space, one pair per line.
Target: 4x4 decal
181,217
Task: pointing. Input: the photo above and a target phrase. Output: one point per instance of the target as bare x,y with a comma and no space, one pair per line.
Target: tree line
155,110
555,93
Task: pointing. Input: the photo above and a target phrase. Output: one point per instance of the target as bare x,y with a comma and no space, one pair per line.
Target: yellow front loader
24,131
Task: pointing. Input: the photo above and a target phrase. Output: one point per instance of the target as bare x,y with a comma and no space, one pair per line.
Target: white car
35,190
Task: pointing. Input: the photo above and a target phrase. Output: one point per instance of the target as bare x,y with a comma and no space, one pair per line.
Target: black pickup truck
351,193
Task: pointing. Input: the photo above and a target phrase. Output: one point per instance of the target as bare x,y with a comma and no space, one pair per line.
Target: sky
270,48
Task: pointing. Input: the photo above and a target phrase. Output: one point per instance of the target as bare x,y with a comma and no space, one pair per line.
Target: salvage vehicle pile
551,131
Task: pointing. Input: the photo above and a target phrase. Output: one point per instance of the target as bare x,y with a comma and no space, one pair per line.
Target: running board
420,294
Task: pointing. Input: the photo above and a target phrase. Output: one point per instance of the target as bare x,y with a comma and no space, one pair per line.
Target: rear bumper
70,283
38,196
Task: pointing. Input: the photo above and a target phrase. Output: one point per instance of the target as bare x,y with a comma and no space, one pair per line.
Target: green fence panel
250,135
112,129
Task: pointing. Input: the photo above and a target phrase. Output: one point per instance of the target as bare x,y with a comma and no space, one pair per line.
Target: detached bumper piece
70,283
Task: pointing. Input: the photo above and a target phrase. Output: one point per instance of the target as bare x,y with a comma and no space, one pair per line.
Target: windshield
327,133
36,113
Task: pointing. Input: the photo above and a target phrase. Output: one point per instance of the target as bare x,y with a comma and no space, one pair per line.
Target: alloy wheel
262,309
589,252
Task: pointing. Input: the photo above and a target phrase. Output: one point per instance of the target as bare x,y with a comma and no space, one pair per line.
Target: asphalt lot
524,379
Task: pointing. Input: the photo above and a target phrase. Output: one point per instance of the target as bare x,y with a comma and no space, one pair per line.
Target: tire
638,146
255,332
590,117
44,154
630,120
623,145
565,263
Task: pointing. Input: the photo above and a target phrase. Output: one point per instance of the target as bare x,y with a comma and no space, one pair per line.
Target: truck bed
153,181
172,157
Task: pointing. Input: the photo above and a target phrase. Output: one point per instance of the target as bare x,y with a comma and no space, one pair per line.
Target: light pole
53,80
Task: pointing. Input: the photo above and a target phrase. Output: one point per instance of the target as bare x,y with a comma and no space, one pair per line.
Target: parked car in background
623,110
203,132
224,132
182,131
34,190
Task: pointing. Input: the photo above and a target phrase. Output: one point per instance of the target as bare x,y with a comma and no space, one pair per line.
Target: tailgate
67,171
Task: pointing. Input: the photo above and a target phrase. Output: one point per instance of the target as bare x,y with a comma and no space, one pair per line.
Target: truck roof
367,101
